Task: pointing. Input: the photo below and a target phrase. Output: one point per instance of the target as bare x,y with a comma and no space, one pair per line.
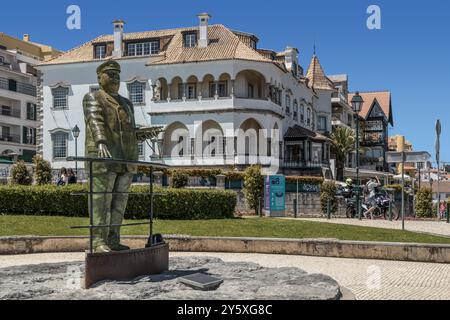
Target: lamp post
76,134
357,102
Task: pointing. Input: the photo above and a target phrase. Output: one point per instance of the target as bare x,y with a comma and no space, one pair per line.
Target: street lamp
357,102
76,134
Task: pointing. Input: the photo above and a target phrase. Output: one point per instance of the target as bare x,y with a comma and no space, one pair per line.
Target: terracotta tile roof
382,97
224,45
316,76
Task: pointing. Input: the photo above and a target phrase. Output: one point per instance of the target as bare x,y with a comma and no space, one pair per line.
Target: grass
12,225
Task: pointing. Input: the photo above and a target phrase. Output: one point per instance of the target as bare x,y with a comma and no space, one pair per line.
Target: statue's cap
108,65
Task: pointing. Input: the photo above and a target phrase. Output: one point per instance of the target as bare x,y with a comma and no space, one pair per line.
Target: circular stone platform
242,281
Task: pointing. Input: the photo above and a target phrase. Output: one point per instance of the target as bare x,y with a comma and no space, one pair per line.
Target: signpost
275,196
438,160
403,157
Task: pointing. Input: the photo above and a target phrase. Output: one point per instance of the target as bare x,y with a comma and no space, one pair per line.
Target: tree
343,143
20,174
328,194
179,179
43,171
253,187
424,203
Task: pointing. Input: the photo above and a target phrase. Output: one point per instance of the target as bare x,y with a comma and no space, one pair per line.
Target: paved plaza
366,279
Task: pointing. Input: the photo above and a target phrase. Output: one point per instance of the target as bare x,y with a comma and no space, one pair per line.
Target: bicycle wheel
395,213
377,213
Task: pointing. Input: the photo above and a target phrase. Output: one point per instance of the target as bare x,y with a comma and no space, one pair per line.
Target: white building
206,81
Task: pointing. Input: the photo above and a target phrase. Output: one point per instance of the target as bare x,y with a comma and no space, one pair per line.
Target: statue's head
109,76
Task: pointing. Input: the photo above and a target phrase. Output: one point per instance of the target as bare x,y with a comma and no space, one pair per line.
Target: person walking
372,187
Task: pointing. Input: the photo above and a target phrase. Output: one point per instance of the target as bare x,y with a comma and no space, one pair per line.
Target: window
31,111
143,48
191,91
6,133
295,110
308,117
6,111
288,104
141,149
2,60
60,145
94,89
222,90
190,40
322,123
137,92
60,97
251,91
100,52
29,135
302,113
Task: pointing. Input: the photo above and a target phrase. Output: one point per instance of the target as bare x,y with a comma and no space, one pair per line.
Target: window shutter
25,135
29,111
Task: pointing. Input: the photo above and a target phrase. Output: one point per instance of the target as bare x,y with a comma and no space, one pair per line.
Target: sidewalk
431,227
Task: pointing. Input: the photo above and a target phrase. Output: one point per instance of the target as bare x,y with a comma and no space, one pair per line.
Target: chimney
118,38
26,37
204,20
291,59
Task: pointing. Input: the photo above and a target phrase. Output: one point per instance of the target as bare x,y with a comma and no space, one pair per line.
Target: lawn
254,227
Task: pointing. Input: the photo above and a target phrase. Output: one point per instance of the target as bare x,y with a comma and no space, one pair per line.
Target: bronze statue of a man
110,133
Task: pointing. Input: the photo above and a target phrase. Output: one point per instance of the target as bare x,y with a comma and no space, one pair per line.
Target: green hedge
171,204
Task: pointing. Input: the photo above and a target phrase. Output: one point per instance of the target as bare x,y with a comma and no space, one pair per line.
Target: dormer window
100,52
190,40
143,48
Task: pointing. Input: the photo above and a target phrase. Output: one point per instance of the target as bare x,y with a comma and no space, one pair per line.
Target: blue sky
409,56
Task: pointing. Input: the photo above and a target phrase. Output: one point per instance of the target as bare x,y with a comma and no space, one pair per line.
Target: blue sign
275,193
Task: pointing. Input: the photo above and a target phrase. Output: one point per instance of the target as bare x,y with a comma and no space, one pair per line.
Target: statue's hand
103,151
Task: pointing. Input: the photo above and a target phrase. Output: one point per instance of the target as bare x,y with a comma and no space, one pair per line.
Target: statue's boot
114,242
102,249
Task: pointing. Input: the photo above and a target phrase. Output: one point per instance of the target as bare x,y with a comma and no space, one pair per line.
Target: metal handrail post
150,241
91,207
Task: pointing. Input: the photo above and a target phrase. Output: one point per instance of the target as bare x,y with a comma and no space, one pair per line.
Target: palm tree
343,143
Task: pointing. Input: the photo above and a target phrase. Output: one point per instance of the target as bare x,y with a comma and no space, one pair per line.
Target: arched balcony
250,84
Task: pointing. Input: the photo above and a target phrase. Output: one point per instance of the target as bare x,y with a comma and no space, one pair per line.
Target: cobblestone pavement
366,279
432,227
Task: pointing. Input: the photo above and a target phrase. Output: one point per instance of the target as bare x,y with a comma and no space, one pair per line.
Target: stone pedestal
126,265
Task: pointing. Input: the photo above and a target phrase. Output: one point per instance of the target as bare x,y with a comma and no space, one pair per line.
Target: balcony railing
303,164
10,113
19,87
10,138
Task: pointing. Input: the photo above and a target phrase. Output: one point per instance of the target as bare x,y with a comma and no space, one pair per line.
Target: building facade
221,100
18,92
376,117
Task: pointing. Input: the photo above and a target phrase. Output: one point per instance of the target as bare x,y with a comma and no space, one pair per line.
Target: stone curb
305,247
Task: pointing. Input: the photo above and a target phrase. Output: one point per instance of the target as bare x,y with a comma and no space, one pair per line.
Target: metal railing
91,193
20,87
304,164
10,113
10,138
